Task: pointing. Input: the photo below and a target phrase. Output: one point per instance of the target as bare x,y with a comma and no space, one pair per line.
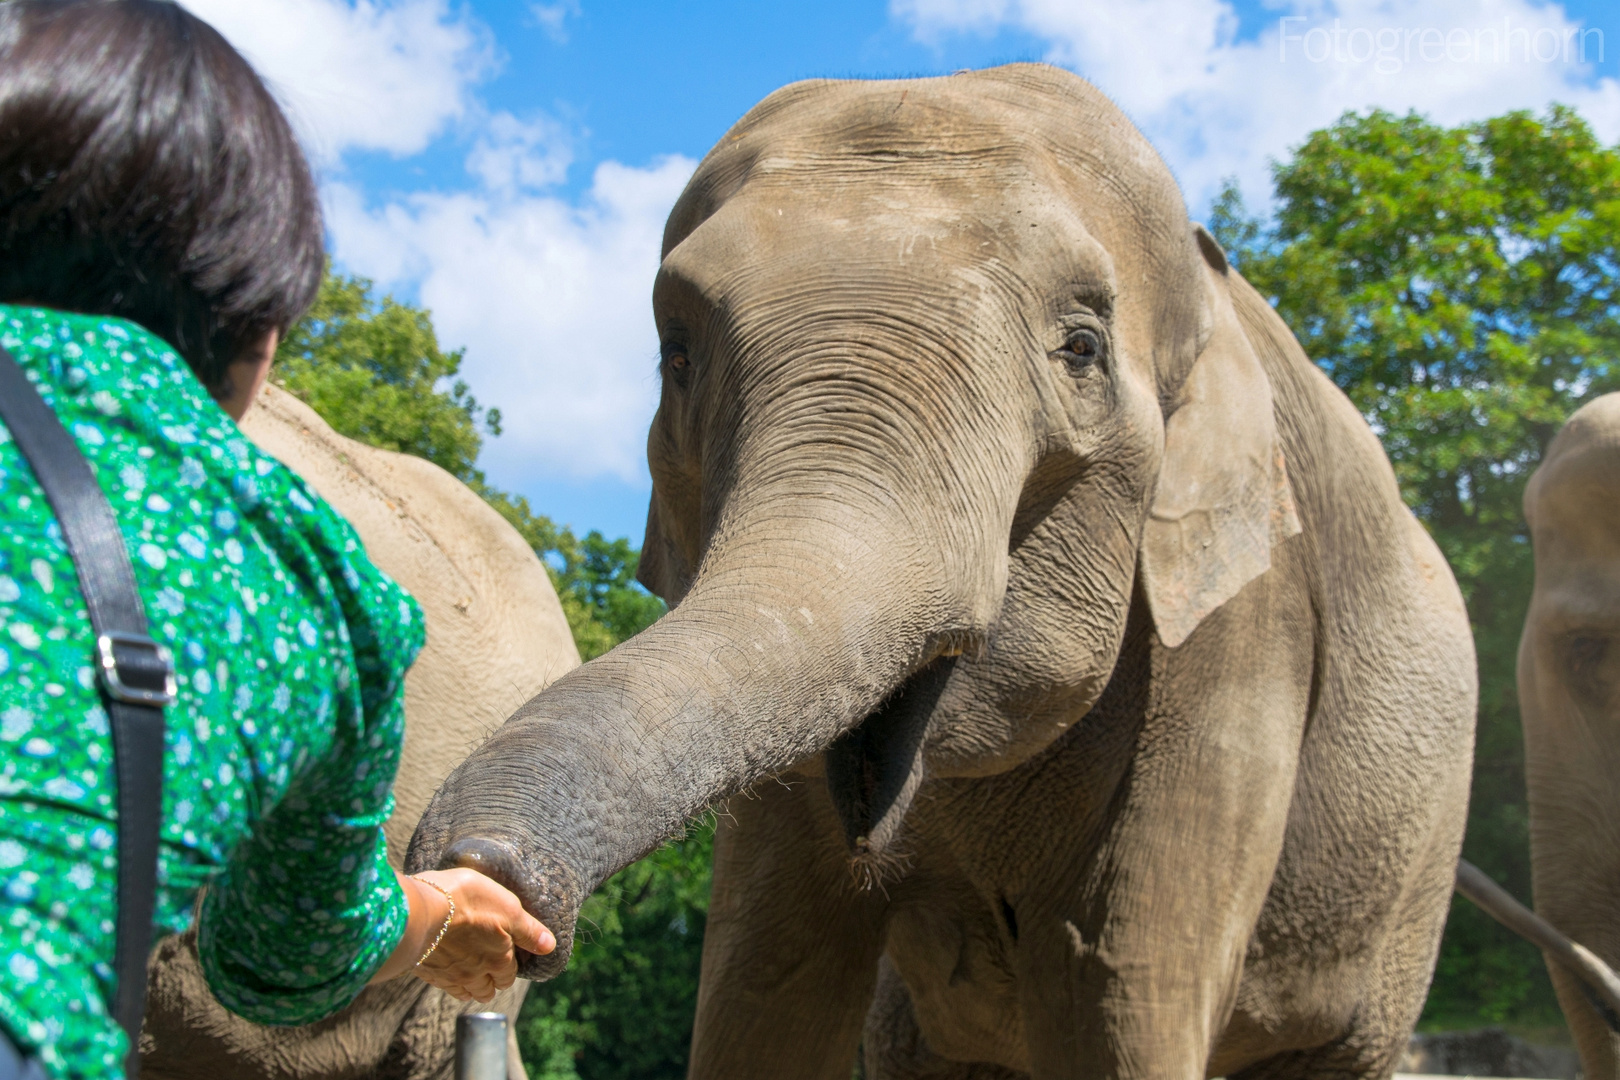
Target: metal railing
481,1046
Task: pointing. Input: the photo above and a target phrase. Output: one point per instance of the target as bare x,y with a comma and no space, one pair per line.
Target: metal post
481,1046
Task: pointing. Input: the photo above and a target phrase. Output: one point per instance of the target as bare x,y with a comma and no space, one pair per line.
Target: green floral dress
291,649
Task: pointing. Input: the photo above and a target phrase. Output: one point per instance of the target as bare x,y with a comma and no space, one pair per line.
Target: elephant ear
1223,500
658,568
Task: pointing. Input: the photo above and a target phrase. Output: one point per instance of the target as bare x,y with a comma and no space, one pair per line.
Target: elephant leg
894,1046
1344,1059
1374,1046
1130,941
791,948
1383,1001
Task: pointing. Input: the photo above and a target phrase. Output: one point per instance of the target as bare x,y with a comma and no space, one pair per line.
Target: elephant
1569,701
1075,692
496,636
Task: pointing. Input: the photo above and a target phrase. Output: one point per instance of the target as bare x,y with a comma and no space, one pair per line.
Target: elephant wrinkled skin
1099,707
495,636
1569,699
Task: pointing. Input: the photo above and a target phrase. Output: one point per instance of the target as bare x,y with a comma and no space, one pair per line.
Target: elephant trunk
1601,984
787,639
1574,841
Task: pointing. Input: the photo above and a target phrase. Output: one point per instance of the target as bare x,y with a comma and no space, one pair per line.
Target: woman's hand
476,957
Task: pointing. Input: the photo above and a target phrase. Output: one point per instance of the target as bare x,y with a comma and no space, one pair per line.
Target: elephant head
1569,695
950,383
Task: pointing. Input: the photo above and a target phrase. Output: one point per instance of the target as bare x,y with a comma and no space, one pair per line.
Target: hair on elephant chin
877,867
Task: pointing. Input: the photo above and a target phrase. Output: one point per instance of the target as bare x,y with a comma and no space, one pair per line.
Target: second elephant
1569,698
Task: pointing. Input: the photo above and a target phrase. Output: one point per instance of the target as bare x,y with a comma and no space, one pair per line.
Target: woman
158,231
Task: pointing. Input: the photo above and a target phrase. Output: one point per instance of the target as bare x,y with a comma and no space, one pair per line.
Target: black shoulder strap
137,674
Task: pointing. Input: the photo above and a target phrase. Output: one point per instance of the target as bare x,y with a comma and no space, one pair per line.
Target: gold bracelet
447,918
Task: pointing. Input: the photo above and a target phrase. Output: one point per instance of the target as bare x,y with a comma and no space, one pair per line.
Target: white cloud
549,298
1215,106
547,295
512,154
553,17
386,75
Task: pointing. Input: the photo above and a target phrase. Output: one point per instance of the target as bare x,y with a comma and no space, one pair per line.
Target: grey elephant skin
1095,704
495,636
1569,699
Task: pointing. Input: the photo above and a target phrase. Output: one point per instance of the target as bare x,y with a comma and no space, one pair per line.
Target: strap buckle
135,669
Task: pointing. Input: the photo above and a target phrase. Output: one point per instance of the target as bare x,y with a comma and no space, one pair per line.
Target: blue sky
641,79
509,162
638,80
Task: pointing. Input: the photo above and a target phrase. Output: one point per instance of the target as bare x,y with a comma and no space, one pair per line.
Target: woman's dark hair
146,172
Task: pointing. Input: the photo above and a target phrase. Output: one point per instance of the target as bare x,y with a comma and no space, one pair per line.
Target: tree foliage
595,577
1459,284
374,370
624,1007
623,1010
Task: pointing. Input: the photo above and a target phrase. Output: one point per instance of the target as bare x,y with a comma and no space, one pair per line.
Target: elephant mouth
874,771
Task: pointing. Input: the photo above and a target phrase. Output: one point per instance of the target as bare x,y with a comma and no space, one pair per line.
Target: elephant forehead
895,220
972,117
1576,529
1577,502
1019,193
880,122
1002,136
955,250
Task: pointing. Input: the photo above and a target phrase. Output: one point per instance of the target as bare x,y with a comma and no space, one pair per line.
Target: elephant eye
1588,665
1081,350
677,362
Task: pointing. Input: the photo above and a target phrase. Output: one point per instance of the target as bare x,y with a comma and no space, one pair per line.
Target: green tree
1459,284
374,370
595,577
623,1010
601,574
624,1007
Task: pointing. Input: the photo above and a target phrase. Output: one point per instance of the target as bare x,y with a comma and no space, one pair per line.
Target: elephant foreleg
895,1049
791,948
1130,967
